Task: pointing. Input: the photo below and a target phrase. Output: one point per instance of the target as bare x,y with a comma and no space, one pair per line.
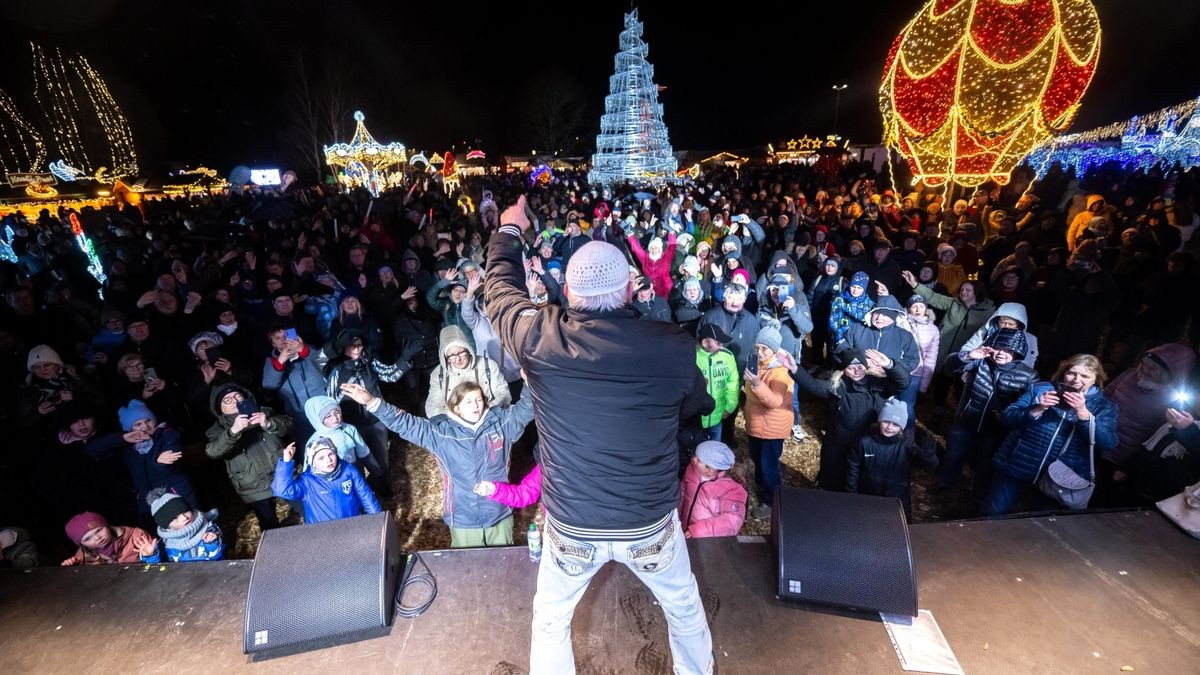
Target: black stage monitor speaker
844,550
318,585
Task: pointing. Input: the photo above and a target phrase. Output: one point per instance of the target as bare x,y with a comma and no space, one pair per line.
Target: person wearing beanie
769,416
993,376
249,439
711,503
329,488
111,335
150,451
848,309
187,534
103,544
656,261
613,503
49,384
879,464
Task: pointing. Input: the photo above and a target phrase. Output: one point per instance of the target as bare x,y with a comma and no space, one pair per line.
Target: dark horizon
206,86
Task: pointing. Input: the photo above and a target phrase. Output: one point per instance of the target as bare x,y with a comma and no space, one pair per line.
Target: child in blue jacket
329,488
187,534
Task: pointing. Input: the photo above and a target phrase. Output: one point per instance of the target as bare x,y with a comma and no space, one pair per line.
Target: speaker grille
321,582
844,550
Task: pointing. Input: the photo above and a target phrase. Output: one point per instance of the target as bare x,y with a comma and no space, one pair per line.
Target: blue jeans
909,396
714,432
1005,492
766,453
661,562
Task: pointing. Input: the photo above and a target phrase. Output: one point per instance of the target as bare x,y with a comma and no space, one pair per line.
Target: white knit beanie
597,268
42,354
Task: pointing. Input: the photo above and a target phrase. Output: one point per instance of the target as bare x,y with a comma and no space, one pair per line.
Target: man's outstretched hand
515,215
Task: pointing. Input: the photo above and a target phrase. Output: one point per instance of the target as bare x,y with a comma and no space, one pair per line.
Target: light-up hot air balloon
971,86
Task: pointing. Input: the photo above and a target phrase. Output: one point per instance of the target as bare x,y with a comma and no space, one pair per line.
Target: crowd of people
1046,334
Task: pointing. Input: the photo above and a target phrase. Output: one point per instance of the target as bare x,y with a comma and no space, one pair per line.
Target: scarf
227,330
187,538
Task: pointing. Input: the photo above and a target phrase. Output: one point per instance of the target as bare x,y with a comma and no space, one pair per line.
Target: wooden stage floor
1072,594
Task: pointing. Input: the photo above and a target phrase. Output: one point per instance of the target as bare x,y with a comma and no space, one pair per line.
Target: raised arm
511,310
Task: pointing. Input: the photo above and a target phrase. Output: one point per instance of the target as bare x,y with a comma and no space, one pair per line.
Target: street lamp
837,101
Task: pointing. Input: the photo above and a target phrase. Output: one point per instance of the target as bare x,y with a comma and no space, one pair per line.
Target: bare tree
555,110
319,104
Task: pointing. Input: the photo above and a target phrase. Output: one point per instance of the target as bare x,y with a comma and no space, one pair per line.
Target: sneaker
798,433
760,512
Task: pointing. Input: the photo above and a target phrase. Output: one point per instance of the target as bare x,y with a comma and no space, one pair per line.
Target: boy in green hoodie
719,366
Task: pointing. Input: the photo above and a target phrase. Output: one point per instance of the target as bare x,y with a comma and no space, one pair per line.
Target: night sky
207,85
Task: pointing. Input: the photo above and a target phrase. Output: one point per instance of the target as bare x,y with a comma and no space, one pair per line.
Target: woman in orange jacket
768,414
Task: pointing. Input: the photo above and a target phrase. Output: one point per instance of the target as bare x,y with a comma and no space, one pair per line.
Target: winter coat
438,298
989,389
880,465
125,545
609,391
959,321
1142,411
1033,443
342,494
895,341
249,455
145,471
847,311
1012,310
654,309
927,336
687,313
1080,222
794,322
466,454
711,508
724,383
346,439
480,370
658,271
486,341
769,405
854,405
742,327
821,296
518,496
201,552
296,381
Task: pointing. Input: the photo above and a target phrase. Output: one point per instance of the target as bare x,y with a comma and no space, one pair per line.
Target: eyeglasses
230,399
460,354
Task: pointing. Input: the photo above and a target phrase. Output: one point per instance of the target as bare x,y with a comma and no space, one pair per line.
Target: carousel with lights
366,163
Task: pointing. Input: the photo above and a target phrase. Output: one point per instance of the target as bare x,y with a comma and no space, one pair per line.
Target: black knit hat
1010,340
166,506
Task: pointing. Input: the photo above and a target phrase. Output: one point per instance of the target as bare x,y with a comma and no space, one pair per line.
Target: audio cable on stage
416,578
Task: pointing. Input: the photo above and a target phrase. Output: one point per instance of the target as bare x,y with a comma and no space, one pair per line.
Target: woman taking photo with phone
1055,428
768,414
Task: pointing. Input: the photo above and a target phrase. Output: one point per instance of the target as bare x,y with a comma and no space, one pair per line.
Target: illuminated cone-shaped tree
632,144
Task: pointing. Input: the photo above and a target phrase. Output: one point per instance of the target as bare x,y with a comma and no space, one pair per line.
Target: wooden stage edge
1068,594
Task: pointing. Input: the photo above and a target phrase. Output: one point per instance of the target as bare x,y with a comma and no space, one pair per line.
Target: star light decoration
364,161
971,86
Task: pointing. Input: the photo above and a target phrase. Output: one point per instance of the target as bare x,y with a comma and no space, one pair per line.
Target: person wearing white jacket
1009,315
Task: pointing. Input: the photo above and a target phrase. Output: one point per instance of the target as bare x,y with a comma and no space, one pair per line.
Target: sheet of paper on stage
919,643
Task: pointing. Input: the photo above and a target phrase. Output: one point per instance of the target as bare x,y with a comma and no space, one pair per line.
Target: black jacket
989,389
879,465
608,393
655,309
742,327
853,405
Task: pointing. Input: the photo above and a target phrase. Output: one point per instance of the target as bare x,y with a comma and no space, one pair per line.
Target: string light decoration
6,249
541,175
81,114
450,180
364,161
971,86
632,144
21,146
1168,136
95,267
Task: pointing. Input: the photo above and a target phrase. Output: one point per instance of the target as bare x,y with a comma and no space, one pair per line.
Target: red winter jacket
659,271
711,508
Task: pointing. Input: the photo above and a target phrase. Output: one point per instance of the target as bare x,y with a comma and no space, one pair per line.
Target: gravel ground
416,503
